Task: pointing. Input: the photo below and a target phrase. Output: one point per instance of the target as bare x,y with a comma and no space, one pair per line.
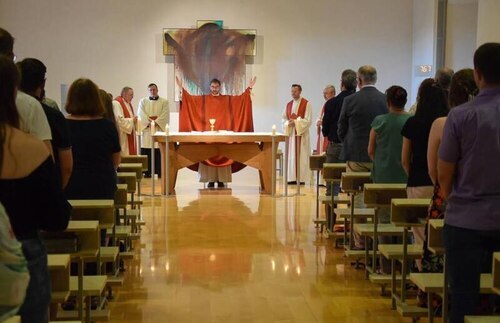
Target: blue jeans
468,254
35,308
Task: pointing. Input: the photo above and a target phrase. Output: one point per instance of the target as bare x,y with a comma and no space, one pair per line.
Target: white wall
424,41
118,42
488,23
461,30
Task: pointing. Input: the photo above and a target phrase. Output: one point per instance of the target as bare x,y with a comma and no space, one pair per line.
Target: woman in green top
385,144
384,148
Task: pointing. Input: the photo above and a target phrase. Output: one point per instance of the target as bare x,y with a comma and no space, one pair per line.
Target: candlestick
273,132
167,129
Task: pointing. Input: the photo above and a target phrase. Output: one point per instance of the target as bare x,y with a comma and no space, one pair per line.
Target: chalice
212,123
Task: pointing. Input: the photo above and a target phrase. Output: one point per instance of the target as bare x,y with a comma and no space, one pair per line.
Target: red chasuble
232,112
132,147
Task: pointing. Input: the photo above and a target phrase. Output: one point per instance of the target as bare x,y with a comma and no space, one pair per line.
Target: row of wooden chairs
405,213
121,220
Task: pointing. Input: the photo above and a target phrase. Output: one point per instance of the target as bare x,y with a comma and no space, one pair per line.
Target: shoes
211,184
220,185
146,175
295,183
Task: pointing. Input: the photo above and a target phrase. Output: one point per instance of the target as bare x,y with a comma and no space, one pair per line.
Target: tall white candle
167,129
274,130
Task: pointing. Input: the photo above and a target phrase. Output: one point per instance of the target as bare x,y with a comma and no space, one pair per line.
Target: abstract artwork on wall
210,52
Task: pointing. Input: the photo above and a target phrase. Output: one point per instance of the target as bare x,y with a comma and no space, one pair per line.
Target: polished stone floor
233,255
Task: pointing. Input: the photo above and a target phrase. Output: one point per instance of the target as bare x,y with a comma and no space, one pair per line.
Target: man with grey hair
443,78
328,93
358,112
126,121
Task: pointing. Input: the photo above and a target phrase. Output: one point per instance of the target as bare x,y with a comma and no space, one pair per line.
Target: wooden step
336,200
95,315
395,251
127,255
92,285
358,212
109,254
482,319
114,281
406,310
434,282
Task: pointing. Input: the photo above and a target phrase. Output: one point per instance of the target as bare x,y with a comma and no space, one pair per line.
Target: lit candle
167,130
273,130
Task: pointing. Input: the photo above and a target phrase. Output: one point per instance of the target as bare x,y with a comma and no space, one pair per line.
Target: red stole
301,112
132,147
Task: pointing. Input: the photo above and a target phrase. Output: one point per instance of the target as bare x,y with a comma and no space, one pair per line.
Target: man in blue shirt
469,176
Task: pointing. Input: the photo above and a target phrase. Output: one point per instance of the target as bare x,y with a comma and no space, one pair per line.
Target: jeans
468,254
36,303
333,156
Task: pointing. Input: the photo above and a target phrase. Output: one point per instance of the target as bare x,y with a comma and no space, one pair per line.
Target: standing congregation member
33,77
356,117
470,181
384,148
31,192
126,121
96,147
152,108
333,107
432,104
296,121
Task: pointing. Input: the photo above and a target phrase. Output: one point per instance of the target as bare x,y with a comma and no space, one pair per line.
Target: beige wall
461,31
118,42
488,22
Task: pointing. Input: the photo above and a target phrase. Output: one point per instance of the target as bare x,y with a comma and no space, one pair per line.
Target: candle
167,130
274,130
153,127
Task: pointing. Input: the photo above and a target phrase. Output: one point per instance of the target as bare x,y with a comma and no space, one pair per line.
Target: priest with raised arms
296,120
231,113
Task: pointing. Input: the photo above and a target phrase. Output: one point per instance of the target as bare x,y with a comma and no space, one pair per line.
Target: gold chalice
212,123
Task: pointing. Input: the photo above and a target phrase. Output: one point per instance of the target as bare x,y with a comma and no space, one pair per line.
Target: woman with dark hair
462,89
31,193
432,104
96,148
384,148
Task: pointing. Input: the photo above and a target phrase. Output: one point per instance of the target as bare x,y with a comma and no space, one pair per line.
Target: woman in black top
96,148
432,104
31,193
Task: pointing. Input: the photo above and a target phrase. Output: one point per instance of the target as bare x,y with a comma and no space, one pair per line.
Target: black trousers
147,152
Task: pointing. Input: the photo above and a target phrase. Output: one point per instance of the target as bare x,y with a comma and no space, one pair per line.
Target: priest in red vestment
231,113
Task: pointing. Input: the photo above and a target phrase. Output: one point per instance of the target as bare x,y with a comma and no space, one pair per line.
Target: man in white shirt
152,108
296,120
126,121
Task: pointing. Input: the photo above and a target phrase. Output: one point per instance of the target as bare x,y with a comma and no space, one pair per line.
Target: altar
254,149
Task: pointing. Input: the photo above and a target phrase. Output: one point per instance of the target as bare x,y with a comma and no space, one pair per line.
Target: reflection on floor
233,255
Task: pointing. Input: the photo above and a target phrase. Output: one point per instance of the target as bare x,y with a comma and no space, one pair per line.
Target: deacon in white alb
152,108
296,122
